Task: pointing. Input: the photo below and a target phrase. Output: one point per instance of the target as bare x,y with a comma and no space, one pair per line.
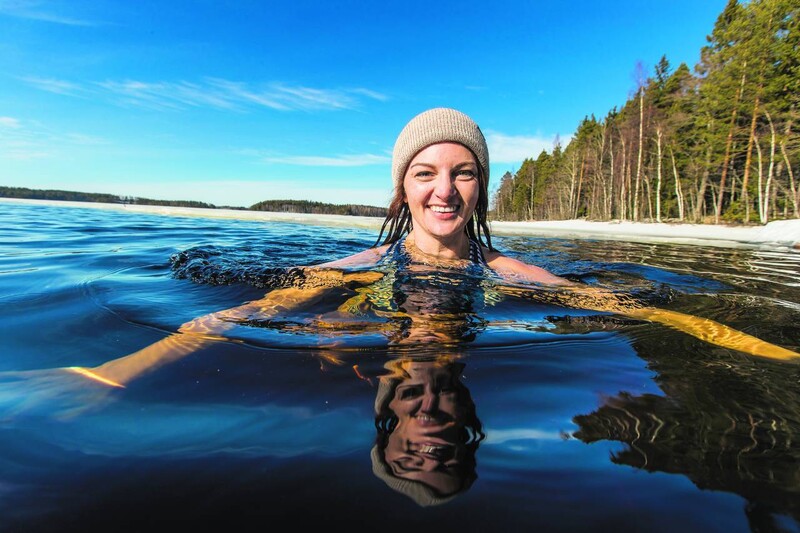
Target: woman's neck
451,249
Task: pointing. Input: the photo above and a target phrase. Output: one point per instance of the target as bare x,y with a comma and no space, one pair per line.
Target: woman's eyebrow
400,469
431,165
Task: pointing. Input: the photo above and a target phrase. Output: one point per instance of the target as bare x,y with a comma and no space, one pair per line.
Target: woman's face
441,188
430,410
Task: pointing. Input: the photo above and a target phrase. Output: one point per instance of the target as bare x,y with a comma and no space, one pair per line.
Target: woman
436,220
440,168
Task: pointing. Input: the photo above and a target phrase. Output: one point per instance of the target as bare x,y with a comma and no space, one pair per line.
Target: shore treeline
280,206
319,208
75,196
718,143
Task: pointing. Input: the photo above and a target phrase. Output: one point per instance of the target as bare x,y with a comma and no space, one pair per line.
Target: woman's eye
411,392
465,174
424,175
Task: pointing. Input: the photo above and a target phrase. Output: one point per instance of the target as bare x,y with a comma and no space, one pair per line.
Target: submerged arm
713,332
567,293
705,329
206,330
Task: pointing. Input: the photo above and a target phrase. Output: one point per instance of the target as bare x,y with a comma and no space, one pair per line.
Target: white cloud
26,140
501,436
37,10
516,148
308,98
21,152
355,160
167,95
240,91
215,93
86,140
371,94
9,122
54,86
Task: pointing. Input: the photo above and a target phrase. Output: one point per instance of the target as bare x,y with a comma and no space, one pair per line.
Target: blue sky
233,102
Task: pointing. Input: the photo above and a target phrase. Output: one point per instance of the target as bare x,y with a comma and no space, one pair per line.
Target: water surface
567,419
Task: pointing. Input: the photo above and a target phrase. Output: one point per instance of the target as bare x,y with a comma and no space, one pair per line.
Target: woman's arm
713,332
515,270
206,330
569,294
368,257
581,297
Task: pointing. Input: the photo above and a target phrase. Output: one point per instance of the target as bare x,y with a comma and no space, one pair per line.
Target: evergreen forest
716,143
318,208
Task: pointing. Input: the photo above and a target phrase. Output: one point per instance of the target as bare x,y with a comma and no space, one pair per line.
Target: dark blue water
561,418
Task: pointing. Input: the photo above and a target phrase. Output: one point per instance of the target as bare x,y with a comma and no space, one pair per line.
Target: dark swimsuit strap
476,253
397,252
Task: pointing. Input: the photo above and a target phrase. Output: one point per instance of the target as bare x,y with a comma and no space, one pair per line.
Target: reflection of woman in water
436,224
428,432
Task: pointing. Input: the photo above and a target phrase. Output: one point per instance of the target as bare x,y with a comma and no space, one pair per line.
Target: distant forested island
304,206
280,206
716,143
75,196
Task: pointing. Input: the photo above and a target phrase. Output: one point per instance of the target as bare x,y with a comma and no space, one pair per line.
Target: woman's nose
429,465
444,186
430,402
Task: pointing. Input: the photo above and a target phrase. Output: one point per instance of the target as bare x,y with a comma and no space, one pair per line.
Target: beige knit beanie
422,494
437,125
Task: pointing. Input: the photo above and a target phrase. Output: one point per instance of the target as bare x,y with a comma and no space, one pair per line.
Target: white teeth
429,448
444,209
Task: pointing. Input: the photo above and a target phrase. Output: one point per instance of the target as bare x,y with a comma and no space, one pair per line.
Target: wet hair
398,219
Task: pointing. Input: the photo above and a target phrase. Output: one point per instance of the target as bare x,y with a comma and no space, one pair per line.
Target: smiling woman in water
436,223
440,168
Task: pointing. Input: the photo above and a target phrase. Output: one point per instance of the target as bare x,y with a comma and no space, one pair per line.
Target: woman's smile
444,209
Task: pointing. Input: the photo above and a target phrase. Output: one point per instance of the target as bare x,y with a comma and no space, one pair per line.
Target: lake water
559,418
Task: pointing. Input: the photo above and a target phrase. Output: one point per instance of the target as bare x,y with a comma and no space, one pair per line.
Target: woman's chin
442,228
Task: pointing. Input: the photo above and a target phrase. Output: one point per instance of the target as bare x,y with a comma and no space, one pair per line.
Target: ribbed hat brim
434,126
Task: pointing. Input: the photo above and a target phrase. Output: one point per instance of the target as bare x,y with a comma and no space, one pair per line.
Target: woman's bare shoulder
368,257
516,270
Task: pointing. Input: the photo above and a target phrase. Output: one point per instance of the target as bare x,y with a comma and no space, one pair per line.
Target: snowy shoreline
780,233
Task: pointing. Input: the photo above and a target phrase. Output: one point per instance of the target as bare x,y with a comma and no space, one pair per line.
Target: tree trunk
580,185
623,192
701,190
795,193
771,168
599,174
533,185
748,160
763,198
573,181
678,191
658,175
639,156
611,178
728,144
792,187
